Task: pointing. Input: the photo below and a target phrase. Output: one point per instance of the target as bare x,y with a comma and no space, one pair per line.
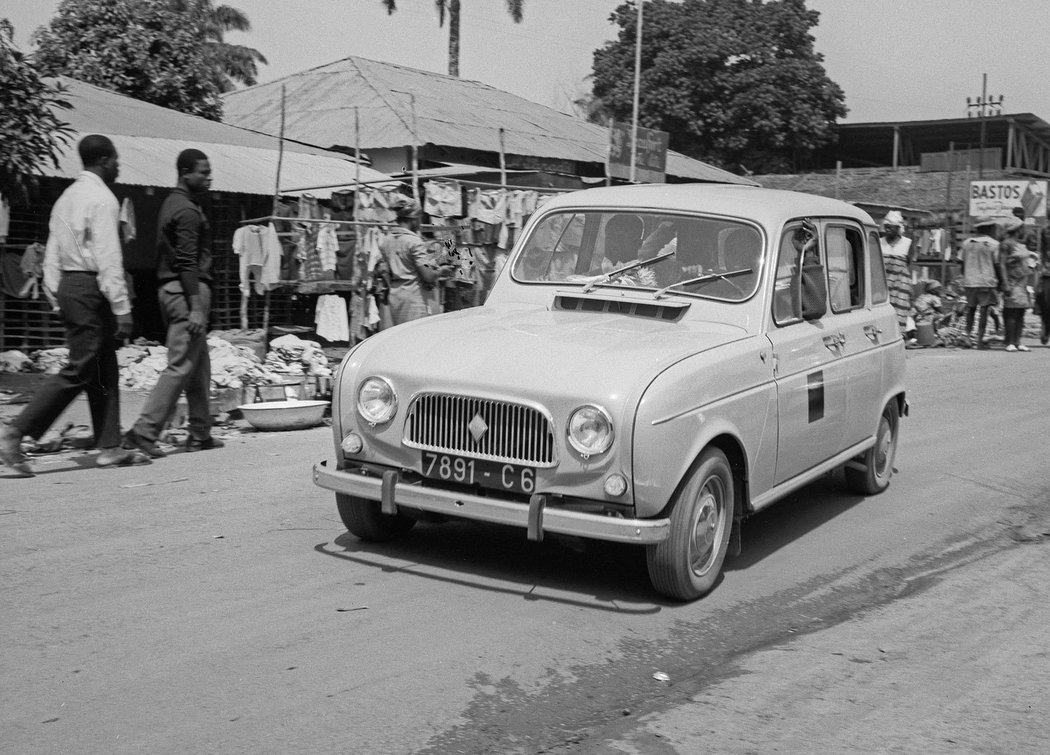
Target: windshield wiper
706,278
609,277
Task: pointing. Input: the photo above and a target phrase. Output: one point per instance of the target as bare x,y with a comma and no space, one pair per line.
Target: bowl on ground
284,415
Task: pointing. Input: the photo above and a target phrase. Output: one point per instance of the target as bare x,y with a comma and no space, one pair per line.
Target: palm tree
233,64
515,8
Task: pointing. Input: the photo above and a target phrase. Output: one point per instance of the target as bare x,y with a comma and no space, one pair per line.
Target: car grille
480,428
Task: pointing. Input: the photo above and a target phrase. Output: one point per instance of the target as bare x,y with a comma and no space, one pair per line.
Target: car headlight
376,401
590,430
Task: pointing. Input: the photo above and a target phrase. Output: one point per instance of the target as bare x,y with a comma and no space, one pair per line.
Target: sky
894,59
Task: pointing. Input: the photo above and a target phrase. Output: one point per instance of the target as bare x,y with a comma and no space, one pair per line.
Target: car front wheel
364,519
687,565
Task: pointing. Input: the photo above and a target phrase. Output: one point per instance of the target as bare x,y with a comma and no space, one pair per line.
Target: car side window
844,246
785,290
880,292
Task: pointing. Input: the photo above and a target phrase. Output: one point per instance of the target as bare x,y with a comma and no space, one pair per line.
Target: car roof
770,207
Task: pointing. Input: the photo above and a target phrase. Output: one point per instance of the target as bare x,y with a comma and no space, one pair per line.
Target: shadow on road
791,518
586,573
590,574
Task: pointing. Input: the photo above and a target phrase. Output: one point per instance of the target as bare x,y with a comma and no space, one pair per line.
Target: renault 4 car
653,365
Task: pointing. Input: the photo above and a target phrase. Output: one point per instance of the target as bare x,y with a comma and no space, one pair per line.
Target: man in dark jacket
184,276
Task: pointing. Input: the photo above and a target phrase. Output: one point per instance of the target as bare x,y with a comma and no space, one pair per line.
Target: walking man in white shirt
84,281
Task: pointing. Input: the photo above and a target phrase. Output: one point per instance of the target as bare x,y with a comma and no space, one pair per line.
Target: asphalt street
213,602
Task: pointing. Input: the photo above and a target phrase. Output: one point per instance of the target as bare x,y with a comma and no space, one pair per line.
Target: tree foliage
142,48
231,64
734,82
516,9
30,130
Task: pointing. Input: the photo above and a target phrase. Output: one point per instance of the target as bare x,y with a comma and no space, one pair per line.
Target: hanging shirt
82,236
260,257
488,205
327,247
330,318
127,221
5,217
443,199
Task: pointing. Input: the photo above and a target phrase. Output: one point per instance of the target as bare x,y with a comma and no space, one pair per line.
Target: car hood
501,350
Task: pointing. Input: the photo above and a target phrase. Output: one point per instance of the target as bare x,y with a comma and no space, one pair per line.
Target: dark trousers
188,370
92,366
1013,325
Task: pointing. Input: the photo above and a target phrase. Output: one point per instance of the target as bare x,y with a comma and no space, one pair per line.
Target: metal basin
284,415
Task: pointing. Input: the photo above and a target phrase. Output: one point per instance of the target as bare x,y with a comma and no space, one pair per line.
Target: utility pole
637,84
981,107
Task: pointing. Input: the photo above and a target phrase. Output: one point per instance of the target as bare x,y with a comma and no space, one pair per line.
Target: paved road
212,602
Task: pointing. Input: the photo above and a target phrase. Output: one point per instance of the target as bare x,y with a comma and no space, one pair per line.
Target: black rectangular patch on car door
816,395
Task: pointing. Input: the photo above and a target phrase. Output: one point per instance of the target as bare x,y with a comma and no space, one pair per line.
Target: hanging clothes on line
443,199
5,217
260,253
374,204
327,245
32,267
330,318
128,229
306,239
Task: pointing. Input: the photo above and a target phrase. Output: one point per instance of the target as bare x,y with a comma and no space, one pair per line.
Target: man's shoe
1011,348
11,450
133,440
119,457
192,444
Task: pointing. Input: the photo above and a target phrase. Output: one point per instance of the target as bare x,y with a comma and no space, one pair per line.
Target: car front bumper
536,516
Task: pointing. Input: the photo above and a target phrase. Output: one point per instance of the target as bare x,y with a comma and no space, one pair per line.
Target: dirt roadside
961,666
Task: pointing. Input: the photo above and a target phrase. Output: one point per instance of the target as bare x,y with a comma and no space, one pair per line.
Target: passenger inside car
623,239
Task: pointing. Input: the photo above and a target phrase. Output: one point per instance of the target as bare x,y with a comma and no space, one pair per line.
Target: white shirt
83,235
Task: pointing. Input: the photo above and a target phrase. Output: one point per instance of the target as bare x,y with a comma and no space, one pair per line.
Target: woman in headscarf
896,253
413,271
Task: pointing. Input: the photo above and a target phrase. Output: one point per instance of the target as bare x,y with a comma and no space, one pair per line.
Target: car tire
689,562
870,473
364,519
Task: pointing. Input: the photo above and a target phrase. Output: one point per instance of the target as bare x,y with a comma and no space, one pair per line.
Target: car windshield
711,257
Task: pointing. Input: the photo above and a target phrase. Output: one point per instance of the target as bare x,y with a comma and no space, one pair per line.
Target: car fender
692,404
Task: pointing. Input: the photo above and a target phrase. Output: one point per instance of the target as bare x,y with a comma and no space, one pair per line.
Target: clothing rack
376,223
537,189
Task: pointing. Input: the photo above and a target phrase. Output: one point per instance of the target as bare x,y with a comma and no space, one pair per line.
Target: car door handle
872,332
833,341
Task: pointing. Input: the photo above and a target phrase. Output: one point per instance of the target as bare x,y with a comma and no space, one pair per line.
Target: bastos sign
651,162
999,198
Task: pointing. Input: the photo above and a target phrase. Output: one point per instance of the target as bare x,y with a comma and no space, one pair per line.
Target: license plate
489,474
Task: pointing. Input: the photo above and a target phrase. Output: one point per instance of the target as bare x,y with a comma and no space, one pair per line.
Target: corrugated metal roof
398,106
149,137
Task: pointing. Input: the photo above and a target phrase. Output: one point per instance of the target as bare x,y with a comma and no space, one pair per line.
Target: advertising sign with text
999,198
651,163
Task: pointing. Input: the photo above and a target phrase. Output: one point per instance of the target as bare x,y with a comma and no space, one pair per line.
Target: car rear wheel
364,519
870,472
687,565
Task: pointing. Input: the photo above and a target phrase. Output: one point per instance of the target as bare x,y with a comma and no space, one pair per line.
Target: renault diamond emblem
477,427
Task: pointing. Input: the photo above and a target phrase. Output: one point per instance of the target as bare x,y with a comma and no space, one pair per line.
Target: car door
809,375
862,333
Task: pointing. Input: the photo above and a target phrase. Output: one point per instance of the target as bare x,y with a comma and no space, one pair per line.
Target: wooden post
276,204
415,150
357,149
947,215
838,177
502,160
